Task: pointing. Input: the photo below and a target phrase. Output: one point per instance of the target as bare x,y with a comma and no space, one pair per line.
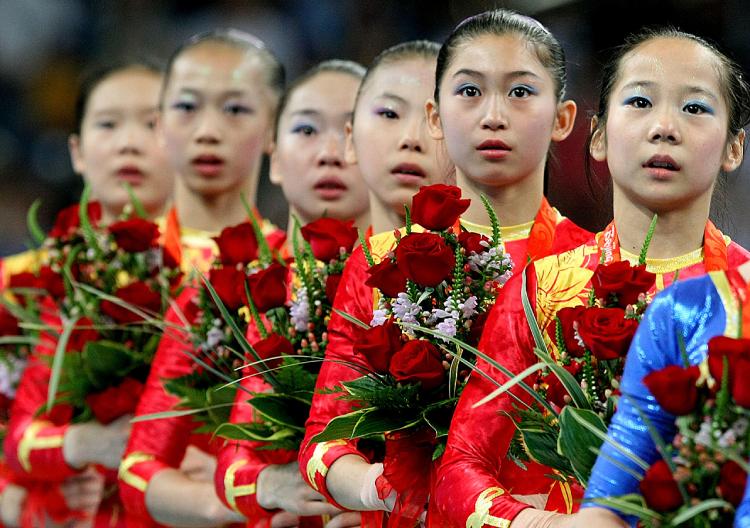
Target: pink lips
330,187
131,174
661,167
208,164
409,173
493,149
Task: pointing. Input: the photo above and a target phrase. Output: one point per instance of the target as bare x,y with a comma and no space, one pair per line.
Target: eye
387,113
237,109
106,124
522,91
638,102
184,106
305,130
696,108
468,90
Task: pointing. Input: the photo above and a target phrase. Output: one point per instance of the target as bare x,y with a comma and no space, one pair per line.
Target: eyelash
236,109
464,88
636,100
108,125
525,89
703,108
387,113
184,106
305,130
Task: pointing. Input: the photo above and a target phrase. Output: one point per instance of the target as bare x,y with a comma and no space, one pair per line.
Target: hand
198,465
94,443
599,517
345,520
11,505
281,486
83,492
284,520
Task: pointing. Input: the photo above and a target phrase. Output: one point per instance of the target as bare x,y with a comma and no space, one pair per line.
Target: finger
317,508
345,520
311,495
284,520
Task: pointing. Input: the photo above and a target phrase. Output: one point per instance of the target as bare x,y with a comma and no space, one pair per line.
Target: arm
152,487
316,460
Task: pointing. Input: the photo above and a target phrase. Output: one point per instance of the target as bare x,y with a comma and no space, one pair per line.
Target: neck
112,214
677,232
515,203
213,213
383,217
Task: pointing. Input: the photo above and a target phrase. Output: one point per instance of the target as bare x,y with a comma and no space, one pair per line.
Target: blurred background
46,44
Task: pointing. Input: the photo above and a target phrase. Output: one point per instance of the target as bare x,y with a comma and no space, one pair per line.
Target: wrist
73,446
265,485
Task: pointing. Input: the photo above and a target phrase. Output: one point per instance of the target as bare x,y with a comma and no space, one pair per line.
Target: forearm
346,481
11,505
175,500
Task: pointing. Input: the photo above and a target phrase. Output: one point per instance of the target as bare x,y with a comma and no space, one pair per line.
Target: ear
565,118
76,156
598,144
434,124
350,155
735,152
273,169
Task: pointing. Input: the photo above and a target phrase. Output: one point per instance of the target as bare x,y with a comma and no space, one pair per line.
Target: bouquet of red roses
701,478
581,383
292,335
436,288
107,283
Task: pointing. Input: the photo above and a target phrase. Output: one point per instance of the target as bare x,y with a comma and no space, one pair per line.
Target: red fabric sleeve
356,299
34,443
155,445
475,481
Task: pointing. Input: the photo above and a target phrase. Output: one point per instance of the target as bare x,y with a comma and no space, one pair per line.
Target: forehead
334,91
217,66
134,87
488,53
412,79
671,62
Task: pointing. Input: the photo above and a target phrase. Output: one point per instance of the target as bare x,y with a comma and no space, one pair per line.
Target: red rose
606,332
135,235
622,280
229,284
8,322
52,282
68,220
556,392
270,348
387,277
732,479
437,207
237,244
268,287
425,258
720,347
332,286
740,387
82,333
418,361
138,295
379,344
674,388
328,236
25,279
660,489
568,317
473,242
114,402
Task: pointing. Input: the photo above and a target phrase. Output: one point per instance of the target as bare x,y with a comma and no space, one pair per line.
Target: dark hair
346,67
502,22
95,75
419,49
734,87
275,72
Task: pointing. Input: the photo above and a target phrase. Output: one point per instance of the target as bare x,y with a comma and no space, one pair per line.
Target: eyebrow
510,75
229,93
306,112
389,95
690,89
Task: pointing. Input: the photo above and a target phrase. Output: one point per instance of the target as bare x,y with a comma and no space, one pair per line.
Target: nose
664,128
494,118
331,152
130,140
412,138
208,130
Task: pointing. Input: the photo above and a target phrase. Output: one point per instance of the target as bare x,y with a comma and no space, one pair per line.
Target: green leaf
439,417
220,401
137,205
631,504
352,319
264,251
254,432
689,513
341,426
496,238
32,222
57,362
172,414
282,409
508,385
566,378
365,248
577,442
380,421
647,241
83,213
541,445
